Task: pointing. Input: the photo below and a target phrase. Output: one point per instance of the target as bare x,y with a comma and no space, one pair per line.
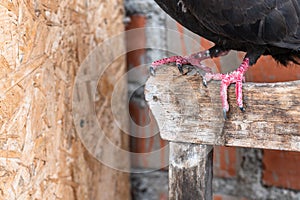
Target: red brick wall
281,169
226,162
141,115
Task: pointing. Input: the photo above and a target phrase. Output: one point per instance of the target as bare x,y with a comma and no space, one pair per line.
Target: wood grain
186,111
190,171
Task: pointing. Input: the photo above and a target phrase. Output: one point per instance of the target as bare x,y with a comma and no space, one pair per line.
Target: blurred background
239,173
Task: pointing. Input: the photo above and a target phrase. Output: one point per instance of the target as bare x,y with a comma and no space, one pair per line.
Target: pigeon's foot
236,77
194,60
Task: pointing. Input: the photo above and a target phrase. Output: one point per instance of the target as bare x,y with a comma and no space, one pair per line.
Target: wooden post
190,171
189,114
42,45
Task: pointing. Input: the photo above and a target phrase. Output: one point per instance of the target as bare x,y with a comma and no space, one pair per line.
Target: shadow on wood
186,111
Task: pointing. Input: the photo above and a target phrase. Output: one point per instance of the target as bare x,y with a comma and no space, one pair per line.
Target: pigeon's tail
286,58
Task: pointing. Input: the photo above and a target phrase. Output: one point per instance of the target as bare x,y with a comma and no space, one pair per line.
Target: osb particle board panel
42,44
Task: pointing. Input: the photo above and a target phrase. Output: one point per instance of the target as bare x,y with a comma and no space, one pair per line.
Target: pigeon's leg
193,59
237,77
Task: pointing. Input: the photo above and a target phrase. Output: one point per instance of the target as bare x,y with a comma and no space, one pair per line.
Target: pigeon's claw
237,77
224,113
152,71
204,82
193,59
180,68
179,60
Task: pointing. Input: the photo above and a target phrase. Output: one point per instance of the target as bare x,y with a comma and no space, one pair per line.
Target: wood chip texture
42,44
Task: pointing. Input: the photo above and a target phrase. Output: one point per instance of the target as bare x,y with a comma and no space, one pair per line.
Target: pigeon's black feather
266,27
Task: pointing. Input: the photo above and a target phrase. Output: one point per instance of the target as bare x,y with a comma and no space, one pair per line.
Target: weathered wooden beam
186,111
190,171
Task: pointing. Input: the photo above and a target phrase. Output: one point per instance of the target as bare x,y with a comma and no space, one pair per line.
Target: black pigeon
257,27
